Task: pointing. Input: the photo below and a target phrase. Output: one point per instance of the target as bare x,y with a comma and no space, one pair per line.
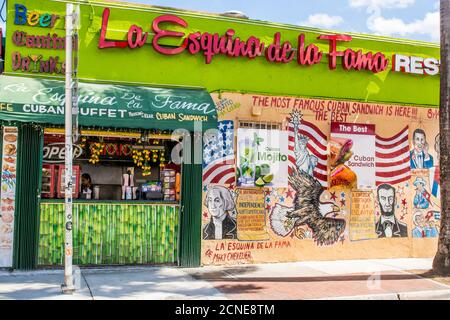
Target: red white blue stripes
218,156
393,158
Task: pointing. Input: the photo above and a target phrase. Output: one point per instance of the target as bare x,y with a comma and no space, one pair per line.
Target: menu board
362,217
251,215
8,195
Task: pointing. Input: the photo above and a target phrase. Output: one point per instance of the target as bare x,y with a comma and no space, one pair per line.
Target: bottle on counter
96,192
177,186
87,194
128,189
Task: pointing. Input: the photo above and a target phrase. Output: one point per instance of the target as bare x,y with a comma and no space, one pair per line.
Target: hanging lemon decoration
96,149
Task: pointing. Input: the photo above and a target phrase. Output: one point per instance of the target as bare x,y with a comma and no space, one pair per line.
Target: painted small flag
436,181
218,155
317,146
393,158
427,196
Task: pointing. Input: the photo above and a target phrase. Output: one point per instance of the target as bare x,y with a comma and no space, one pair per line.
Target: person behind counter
86,186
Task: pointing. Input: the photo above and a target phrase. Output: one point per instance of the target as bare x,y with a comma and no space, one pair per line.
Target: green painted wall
28,189
146,66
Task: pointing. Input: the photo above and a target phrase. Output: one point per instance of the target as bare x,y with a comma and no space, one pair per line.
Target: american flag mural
392,158
218,155
317,145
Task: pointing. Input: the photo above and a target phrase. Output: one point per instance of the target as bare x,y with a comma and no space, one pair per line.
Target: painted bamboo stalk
110,234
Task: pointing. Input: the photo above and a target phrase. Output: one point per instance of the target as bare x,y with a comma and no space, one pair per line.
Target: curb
429,295
412,295
16,273
84,270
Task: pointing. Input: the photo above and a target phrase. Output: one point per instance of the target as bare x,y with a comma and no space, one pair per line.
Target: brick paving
300,281
429,274
322,287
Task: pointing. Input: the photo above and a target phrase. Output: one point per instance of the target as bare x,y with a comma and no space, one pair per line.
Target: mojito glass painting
262,160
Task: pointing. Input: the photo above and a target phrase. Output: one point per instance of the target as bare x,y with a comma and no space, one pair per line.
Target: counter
110,232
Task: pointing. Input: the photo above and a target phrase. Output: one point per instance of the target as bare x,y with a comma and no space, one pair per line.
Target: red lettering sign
351,59
212,44
359,61
102,43
227,44
309,56
279,53
136,38
159,33
333,53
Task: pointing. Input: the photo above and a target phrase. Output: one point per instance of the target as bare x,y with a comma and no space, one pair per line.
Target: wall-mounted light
235,14
256,110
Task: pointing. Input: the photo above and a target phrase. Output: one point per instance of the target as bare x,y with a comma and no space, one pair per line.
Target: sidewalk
352,279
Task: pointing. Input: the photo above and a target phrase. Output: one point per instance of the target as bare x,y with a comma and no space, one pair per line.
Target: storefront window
259,125
129,166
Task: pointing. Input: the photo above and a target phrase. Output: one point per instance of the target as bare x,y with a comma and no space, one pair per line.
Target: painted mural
220,204
362,181
308,147
388,224
425,204
251,217
361,215
218,154
309,210
8,194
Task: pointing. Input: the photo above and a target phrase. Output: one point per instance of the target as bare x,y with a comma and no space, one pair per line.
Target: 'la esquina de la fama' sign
277,51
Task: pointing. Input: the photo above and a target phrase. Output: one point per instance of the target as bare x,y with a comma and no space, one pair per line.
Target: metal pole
68,286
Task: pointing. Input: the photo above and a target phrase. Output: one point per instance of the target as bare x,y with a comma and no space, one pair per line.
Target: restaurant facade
206,139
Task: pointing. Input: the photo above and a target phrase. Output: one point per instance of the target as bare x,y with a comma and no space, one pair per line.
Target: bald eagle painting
308,210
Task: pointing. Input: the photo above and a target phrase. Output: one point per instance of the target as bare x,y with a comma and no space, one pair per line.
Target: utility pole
68,286
441,263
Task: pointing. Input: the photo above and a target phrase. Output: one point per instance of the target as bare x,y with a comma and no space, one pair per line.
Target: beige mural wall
412,233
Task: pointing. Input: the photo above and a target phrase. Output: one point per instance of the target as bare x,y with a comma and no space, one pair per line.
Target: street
384,279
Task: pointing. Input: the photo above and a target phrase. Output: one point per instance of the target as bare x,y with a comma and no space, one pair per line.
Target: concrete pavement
351,279
149,283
